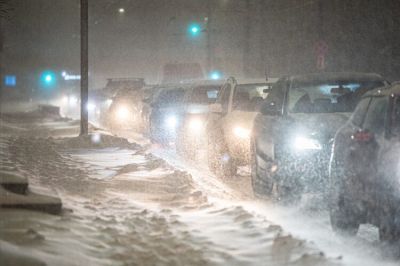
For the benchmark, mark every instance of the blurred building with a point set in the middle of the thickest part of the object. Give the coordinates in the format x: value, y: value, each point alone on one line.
x: 237, y: 37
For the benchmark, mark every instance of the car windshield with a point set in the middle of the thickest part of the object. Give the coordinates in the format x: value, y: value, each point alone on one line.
x: 170, y: 97
x: 205, y: 94
x: 328, y: 97
x: 249, y: 97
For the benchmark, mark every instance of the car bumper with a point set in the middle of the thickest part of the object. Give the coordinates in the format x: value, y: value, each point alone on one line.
x: 307, y: 169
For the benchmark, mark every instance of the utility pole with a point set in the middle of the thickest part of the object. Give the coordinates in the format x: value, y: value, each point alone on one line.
x: 84, y: 67
x: 209, y: 63
x: 246, y: 40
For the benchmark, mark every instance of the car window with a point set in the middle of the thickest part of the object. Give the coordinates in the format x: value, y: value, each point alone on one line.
x: 204, y: 94
x: 277, y: 93
x: 376, y: 115
x: 170, y: 97
x: 320, y: 96
x: 248, y: 97
x: 225, y: 97
x: 359, y: 114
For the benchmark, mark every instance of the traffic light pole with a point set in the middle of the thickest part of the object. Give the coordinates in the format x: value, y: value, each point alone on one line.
x: 84, y: 67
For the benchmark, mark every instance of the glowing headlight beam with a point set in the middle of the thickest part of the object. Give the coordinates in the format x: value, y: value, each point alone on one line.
x: 91, y: 107
x: 171, y: 121
x: 304, y: 143
x: 196, y: 125
x: 241, y: 132
x: 72, y: 100
x: 122, y: 113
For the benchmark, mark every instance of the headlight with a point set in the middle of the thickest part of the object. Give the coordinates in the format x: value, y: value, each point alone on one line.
x: 122, y: 113
x: 91, y: 107
x: 305, y: 143
x: 72, y: 100
x: 109, y: 102
x: 65, y: 100
x: 241, y: 132
x: 171, y: 121
x: 196, y: 125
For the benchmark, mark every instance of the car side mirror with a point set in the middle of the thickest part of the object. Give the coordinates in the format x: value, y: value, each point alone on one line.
x: 215, y: 108
x: 270, y: 108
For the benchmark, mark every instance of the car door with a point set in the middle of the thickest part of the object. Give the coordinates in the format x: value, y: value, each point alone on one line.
x: 215, y: 119
x: 226, y: 103
x: 364, y: 150
x: 388, y: 157
x: 267, y: 125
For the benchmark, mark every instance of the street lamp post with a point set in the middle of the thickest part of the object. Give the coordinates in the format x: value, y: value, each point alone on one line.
x: 84, y: 67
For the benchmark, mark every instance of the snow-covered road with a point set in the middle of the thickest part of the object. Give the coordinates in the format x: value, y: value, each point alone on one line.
x: 129, y: 204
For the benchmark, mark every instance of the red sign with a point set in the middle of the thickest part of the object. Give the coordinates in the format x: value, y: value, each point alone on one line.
x: 321, y: 50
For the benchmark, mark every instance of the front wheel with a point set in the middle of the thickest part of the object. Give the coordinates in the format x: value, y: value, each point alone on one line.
x: 261, y: 183
x: 226, y: 166
x: 389, y: 228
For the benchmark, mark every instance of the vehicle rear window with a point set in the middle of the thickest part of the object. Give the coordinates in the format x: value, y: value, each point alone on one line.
x: 359, y: 114
x: 170, y: 97
x: 376, y: 115
x: 205, y: 94
x: 328, y: 97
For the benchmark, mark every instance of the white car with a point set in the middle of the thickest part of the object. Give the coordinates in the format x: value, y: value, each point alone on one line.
x: 230, y: 123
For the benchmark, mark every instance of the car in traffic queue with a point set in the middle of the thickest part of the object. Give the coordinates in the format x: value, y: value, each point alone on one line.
x: 166, y: 113
x: 191, y: 133
x: 125, y: 110
x: 122, y: 103
x: 364, y: 170
x: 230, y: 123
x: 293, y: 133
x: 149, y: 94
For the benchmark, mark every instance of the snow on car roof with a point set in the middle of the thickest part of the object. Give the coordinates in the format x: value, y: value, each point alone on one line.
x: 335, y: 76
x: 385, y: 91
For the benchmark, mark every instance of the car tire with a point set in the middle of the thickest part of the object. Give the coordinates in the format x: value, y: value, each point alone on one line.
x: 226, y: 166
x: 343, y: 217
x: 262, y: 184
x: 389, y: 229
x: 211, y: 157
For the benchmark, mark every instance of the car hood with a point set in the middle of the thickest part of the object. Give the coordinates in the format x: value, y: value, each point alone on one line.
x: 197, y: 108
x: 324, y: 125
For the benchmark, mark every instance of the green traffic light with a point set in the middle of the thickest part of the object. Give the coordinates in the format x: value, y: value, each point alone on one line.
x: 48, y: 79
x: 194, y: 29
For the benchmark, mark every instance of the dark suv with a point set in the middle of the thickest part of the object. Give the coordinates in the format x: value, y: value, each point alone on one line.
x: 365, y: 166
x: 293, y: 134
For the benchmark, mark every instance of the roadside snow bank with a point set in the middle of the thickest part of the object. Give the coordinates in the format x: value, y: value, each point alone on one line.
x: 124, y: 206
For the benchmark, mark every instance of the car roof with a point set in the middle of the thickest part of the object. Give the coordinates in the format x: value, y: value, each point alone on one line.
x: 389, y: 90
x: 335, y: 76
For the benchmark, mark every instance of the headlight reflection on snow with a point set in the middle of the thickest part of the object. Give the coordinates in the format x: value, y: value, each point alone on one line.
x: 96, y: 138
x: 305, y: 143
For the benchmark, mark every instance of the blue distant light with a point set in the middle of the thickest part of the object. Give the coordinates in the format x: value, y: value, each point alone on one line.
x: 10, y: 81
x: 215, y: 75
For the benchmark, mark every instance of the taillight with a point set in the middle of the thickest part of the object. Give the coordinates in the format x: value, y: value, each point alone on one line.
x: 362, y: 136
